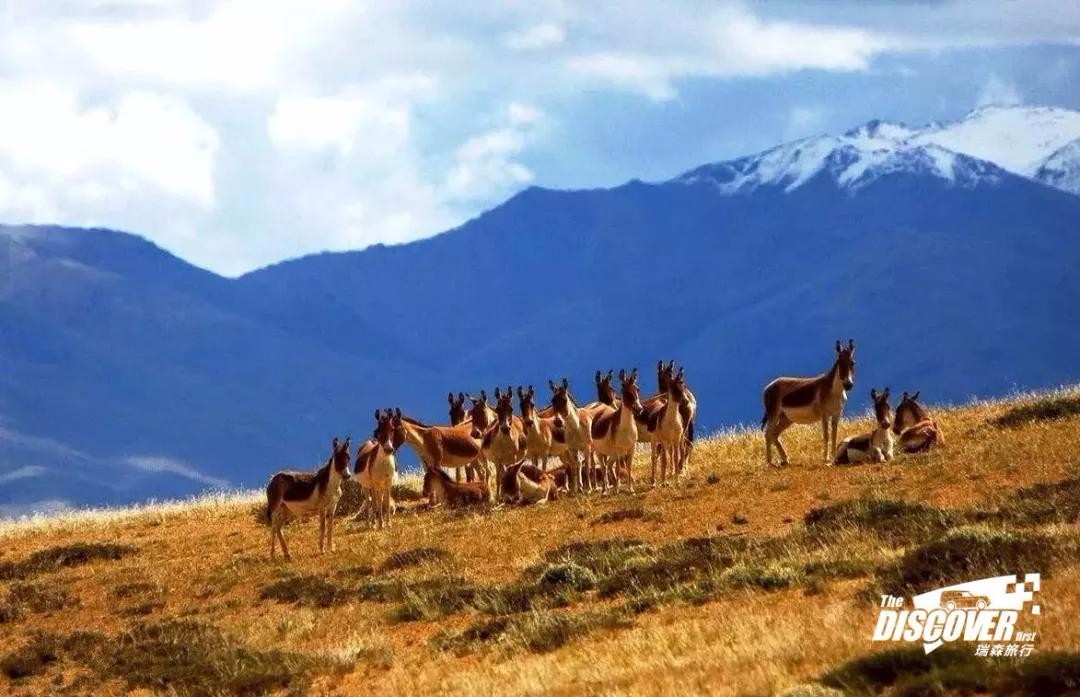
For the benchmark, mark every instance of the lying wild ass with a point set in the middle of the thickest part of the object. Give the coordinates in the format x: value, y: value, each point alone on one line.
x: 876, y: 446
x: 438, y: 486
x: 291, y: 495
x: 376, y: 465
x: 807, y: 400
x: 614, y: 432
x: 525, y: 483
x: 918, y: 433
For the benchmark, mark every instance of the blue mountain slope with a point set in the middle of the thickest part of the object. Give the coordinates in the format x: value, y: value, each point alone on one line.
x: 128, y: 373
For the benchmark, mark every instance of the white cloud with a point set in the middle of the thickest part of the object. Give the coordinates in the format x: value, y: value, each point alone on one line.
x: 535, y: 37
x: 25, y: 472
x: 998, y: 92
x: 161, y: 464
x: 649, y: 76
x: 485, y: 165
x: 805, y: 120
x: 140, y: 140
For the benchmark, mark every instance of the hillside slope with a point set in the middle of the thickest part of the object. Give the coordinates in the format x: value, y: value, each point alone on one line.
x: 720, y: 584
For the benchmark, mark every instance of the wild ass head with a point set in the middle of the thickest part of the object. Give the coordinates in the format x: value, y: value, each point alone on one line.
x: 339, y: 456
x: 845, y: 363
x: 605, y: 393
x: 457, y: 408
x: 504, y: 409
x: 560, y: 396
x: 882, y: 410
x: 631, y: 393
x: 909, y: 412
x: 527, y: 403
x: 384, y: 431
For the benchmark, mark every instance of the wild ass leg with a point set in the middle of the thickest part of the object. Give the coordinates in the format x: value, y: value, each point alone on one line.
x: 835, y: 422
x: 827, y: 458
x: 772, y: 437
x: 330, y: 528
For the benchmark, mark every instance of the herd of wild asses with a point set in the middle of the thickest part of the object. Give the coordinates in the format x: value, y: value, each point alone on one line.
x: 504, y: 456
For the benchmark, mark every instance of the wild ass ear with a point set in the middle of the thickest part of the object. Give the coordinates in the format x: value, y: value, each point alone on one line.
x: 449, y: 398
x: 521, y: 393
x: 566, y: 383
x: 378, y: 415
x: 397, y: 412
x: 551, y: 384
x: 633, y: 374
x: 915, y: 397
x: 483, y: 395
x: 610, y: 374
x: 660, y: 365
x: 839, y: 348
x: 531, y: 391
x: 622, y: 374
x: 873, y: 393
x: 334, y: 445
x: 599, y: 379
x: 497, y: 394
x: 886, y: 393
x: 461, y: 397
x: 851, y: 345
x: 904, y: 397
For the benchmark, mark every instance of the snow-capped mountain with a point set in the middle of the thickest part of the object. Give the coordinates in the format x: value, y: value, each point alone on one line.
x: 1062, y: 169
x: 1033, y: 142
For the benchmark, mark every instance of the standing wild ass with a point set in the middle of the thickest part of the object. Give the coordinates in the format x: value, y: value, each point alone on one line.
x: 578, y: 425
x: 545, y: 436
x: 376, y: 465
x: 807, y: 400
x: 291, y: 495
x: 614, y: 432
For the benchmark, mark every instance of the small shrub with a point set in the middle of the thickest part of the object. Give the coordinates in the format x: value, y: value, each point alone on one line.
x: 537, y: 632
x: 39, y: 597
x: 890, y: 519
x: 415, y: 557
x: 1040, y: 504
x: 433, y: 598
x: 313, y: 591
x: 568, y: 574
x: 622, y: 514
x: 713, y: 478
x: 136, y: 588
x: 966, y: 554
x: 771, y: 576
x: 739, y: 519
x: 66, y: 556
x: 837, y: 568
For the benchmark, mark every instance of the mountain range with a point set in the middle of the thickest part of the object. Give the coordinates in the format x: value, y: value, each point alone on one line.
x: 948, y: 252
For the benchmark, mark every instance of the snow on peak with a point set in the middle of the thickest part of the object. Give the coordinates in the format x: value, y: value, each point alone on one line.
x: 973, y: 150
x: 1016, y: 138
x: 1062, y: 168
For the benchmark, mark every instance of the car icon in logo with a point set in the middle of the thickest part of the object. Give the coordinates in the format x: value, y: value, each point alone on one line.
x: 950, y: 600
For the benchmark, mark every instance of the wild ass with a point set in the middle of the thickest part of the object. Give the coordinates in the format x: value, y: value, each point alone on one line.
x: 664, y: 375
x: 376, y: 465
x: 578, y: 424
x: 443, y: 446
x: 918, y: 433
x: 504, y: 442
x: 525, y: 483
x: 438, y: 486
x: 614, y: 432
x: 876, y: 445
x: 291, y: 495
x: 806, y: 400
x: 545, y: 436
x: 668, y: 431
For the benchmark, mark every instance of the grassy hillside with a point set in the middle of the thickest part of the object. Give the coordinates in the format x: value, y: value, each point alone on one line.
x: 720, y: 584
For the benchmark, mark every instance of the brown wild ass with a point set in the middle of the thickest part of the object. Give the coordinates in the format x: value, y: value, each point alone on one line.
x: 545, y: 436
x: 578, y: 425
x: 291, y: 495
x: 614, y: 432
x: 876, y: 446
x: 376, y: 465
x: 536, y: 480
x: 808, y: 400
x: 668, y: 430
x: 664, y: 375
x: 438, y: 486
x: 443, y: 446
x: 918, y: 433
x: 504, y: 442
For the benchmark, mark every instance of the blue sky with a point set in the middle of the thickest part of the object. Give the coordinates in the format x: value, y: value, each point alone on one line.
x: 240, y: 133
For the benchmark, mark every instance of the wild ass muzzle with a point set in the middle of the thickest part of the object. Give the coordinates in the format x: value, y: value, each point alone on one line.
x: 291, y: 495
x: 809, y: 400
x: 376, y: 465
x: 875, y: 446
x: 614, y: 432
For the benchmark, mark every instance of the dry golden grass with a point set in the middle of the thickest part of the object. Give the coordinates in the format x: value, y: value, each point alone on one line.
x: 466, y: 602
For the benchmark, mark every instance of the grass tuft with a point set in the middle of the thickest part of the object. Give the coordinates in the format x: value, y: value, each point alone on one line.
x: 314, y: 591
x: 622, y: 514
x: 965, y: 554
x: 1046, y: 409
x: 56, y: 558
x: 415, y: 557
x: 890, y: 519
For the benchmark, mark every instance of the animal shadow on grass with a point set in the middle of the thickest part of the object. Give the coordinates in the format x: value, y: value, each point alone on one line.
x: 66, y: 556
